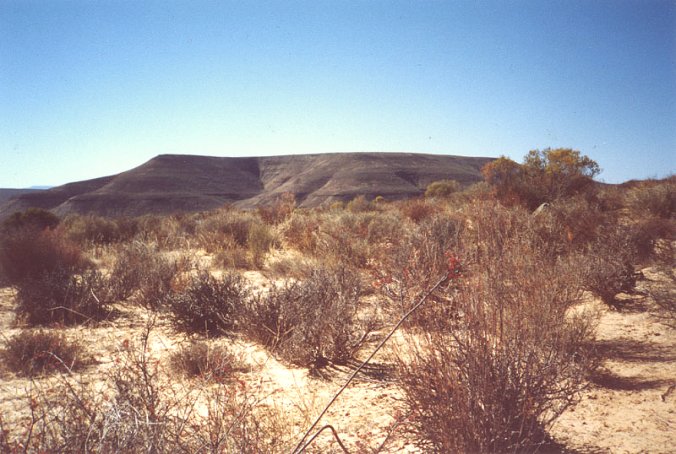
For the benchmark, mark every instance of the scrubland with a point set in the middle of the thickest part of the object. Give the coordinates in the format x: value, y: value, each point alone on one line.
x: 230, y: 331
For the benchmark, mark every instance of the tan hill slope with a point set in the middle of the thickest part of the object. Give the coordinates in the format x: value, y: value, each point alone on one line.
x: 176, y: 183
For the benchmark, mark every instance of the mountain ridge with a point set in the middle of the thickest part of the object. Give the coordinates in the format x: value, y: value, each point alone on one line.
x: 171, y: 183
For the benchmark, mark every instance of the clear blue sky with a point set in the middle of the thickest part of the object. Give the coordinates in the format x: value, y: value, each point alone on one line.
x: 92, y: 88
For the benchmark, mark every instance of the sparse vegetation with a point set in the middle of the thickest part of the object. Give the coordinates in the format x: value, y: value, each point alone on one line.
x: 32, y: 353
x: 496, y: 354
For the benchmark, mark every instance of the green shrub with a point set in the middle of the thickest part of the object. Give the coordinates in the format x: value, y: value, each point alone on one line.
x: 31, y: 353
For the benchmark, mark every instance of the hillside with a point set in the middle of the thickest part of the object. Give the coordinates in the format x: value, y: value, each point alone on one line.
x: 7, y: 193
x: 179, y: 183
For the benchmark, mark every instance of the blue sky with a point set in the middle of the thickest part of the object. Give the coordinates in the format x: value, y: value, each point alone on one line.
x: 92, y: 88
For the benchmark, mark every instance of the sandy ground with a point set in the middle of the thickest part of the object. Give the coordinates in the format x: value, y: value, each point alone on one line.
x: 628, y: 408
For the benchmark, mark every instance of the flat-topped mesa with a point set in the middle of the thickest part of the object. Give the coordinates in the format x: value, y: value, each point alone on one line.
x: 183, y: 183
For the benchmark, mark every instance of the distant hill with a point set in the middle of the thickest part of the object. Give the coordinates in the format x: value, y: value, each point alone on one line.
x: 6, y: 193
x: 179, y: 183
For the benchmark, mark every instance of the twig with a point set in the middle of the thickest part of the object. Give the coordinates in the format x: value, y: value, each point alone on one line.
x: 335, y: 435
x: 300, y: 447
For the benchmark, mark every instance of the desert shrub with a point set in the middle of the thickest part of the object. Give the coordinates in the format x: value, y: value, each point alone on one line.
x: 206, y: 361
x: 609, y: 267
x: 581, y: 220
x: 417, y: 209
x: 31, y: 219
x: 652, y: 239
x: 226, y: 223
x: 91, y: 229
x: 359, y: 205
x: 610, y: 198
x: 291, y: 264
x: 59, y: 297
x: 492, y: 228
x: 415, y: 263
x: 237, y: 420
x: 142, y: 271
x: 27, y: 254
x: 569, y: 225
x: 32, y: 353
x: 512, y: 360
x: 655, y: 199
x: 336, y: 205
x: 208, y: 305
x: 164, y: 231
x: 260, y: 240
x: 143, y: 412
x: 234, y: 256
x: 442, y: 189
x: 342, y: 239
x: 385, y: 228
x: 310, y: 322
x: 477, y: 191
x: 279, y: 210
x: 664, y: 295
x: 545, y: 176
x: 300, y: 231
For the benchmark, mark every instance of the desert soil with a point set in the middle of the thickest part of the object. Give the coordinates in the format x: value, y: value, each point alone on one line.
x: 627, y: 409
